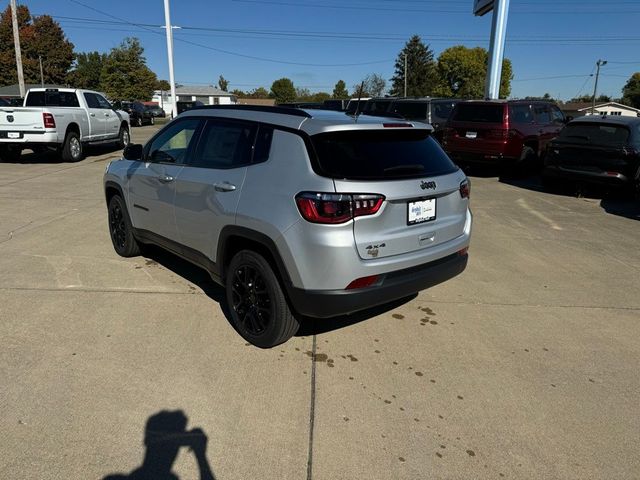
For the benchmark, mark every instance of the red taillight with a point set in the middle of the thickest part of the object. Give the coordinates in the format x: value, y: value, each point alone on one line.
x: 465, y: 189
x: 336, y: 207
x: 363, y: 282
x: 463, y: 252
x: 49, y: 121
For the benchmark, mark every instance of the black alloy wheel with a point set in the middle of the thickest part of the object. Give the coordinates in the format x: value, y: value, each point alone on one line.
x: 250, y: 300
x: 120, y: 229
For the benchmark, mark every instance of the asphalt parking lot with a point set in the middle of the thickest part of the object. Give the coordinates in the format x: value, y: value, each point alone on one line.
x: 526, y: 366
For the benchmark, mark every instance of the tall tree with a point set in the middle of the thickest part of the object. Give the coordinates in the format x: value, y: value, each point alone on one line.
x: 86, y: 71
x: 259, y: 92
x: 340, y: 90
x: 422, y: 75
x: 223, y: 83
x: 283, y: 91
x: 373, y: 85
x: 163, y: 85
x: 631, y: 91
x: 125, y: 75
x: 39, y: 37
x: 463, y: 72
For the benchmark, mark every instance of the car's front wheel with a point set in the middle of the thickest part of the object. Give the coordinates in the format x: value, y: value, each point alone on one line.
x: 121, y: 230
x: 123, y: 137
x: 259, y: 309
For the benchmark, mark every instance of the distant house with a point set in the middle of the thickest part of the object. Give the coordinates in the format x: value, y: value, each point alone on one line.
x: 602, y: 109
x: 206, y: 94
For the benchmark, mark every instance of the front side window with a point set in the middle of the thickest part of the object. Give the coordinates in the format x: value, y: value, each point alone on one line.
x: 558, y: 116
x: 172, y: 144
x: 543, y: 115
x: 92, y: 100
x: 224, y: 144
x: 102, y: 102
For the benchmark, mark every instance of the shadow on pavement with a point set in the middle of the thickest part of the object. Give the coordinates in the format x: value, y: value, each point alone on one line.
x: 165, y: 433
x: 622, y: 208
x: 50, y: 156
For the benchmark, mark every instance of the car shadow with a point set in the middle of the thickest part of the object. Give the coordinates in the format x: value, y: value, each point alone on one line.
x: 308, y: 326
x: 629, y: 208
x: 50, y: 156
x: 165, y: 434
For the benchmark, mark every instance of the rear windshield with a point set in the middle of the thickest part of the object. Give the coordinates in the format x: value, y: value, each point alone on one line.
x: 412, y: 110
x: 380, y: 155
x: 596, y: 133
x: 52, y: 99
x: 475, y: 112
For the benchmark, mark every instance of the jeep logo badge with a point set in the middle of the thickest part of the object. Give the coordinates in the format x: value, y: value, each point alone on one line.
x: 428, y: 185
x: 9, y: 118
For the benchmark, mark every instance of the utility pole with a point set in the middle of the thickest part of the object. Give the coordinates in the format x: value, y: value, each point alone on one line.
x: 405, y: 75
x: 172, y: 80
x: 41, y: 73
x: 16, y: 43
x: 599, y: 64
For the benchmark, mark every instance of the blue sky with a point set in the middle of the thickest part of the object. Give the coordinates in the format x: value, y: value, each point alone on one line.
x: 553, y: 44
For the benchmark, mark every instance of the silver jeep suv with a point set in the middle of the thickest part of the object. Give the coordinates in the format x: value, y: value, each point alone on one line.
x: 294, y: 212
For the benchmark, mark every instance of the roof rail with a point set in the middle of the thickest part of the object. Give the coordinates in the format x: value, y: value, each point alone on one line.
x: 256, y: 108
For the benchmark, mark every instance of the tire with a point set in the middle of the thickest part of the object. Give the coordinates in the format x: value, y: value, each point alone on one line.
x: 120, y: 229
x: 258, y: 307
x: 10, y: 153
x: 72, y: 148
x: 124, y: 137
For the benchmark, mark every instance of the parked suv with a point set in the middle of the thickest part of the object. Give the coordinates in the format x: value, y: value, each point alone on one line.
x: 497, y: 132
x: 294, y: 212
x: 139, y: 113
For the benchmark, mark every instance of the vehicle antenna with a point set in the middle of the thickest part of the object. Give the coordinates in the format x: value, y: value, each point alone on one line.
x: 357, y: 112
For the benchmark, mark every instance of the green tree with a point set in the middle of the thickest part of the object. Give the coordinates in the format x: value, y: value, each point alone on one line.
x: 162, y: 85
x: 303, y: 95
x: 39, y: 37
x: 422, y: 74
x: 340, y: 90
x: 86, y: 71
x: 239, y: 93
x: 373, y: 85
x: 631, y: 91
x: 259, y: 92
x: 125, y: 75
x: 589, y: 98
x: 463, y: 72
x: 283, y: 91
x: 223, y: 83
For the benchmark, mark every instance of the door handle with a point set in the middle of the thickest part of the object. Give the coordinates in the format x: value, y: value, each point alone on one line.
x: 92, y: 114
x: 165, y: 178
x: 224, y: 187
x: 107, y: 115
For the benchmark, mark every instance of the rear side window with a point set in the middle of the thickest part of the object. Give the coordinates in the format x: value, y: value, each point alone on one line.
x: 380, y: 155
x: 520, y: 113
x: 412, y: 110
x: 52, y: 99
x: 596, y: 133
x: 478, y: 112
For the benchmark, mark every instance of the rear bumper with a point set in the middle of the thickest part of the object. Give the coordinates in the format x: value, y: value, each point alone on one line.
x: 26, y: 138
x: 480, y: 158
x: 394, y: 285
x: 612, y: 177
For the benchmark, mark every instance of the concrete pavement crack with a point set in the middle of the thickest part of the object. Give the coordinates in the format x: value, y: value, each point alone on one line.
x: 312, y: 410
x: 533, y: 305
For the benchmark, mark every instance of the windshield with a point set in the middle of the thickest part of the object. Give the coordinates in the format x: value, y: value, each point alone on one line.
x: 380, y: 155
x: 596, y: 133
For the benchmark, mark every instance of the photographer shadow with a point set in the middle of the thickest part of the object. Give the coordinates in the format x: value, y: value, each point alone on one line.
x: 164, y: 435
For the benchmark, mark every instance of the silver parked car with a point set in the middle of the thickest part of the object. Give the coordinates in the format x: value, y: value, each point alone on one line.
x: 295, y: 212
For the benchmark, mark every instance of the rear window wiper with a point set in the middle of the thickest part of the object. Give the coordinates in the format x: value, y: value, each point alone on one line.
x: 405, y: 168
x: 584, y: 137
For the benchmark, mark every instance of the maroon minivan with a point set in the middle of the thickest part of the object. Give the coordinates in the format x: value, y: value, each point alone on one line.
x: 514, y: 132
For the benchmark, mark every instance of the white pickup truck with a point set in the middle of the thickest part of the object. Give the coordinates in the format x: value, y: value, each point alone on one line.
x: 63, y: 118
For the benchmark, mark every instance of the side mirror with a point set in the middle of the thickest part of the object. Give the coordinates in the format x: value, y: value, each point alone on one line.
x: 133, y: 151
x: 568, y: 119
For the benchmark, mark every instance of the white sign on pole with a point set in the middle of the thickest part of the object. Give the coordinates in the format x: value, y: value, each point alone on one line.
x: 480, y: 7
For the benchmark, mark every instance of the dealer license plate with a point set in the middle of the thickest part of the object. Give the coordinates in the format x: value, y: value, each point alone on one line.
x: 13, y: 134
x: 471, y: 135
x: 421, y: 211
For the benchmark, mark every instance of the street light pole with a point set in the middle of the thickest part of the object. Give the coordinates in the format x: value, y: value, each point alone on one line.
x: 599, y: 64
x: 16, y: 44
x: 172, y: 81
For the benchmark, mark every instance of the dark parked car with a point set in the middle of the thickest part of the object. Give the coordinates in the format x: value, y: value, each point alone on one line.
x: 339, y: 105
x: 157, y: 111
x: 595, y: 149
x: 139, y: 113
x: 514, y: 133
x: 184, y: 106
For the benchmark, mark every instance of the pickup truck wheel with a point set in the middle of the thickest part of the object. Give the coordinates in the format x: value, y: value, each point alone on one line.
x: 10, y: 153
x: 258, y: 307
x: 120, y: 229
x: 123, y: 137
x: 72, y: 148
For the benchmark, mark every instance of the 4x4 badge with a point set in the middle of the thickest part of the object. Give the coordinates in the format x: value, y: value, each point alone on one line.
x: 428, y: 185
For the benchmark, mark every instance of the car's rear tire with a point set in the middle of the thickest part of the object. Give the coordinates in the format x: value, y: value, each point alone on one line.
x: 258, y: 307
x: 121, y: 230
x: 10, y: 153
x: 124, y: 137
x: 72, y: 148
